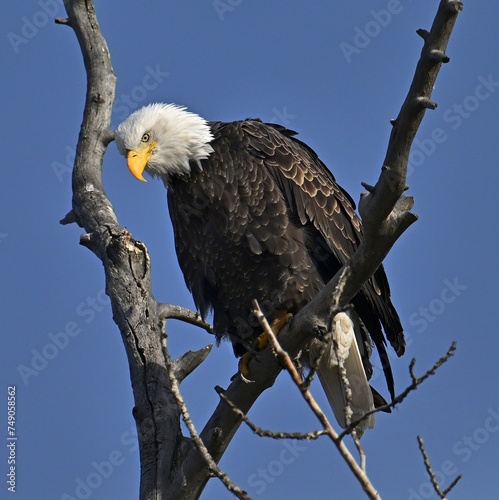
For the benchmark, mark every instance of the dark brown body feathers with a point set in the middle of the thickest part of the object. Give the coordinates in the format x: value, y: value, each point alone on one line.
x: 265, y: 219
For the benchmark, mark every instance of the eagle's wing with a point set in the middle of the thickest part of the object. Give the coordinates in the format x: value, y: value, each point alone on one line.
x: 327, y: 212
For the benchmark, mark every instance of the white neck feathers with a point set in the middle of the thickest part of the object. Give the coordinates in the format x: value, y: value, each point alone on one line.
x: 181, y: 137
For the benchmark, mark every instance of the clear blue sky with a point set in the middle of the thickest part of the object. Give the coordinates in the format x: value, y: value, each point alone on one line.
x: 336, y: 73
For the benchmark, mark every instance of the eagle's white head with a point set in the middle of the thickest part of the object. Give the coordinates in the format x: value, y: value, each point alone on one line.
x: 161, y: 139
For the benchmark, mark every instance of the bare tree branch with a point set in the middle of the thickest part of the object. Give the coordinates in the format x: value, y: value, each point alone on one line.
x: 416, y: 382
x: 385, y: 211
x: 189, y: 361
x: 303, y: 385
x: 308, y: 436
x: 286, y: 361
x: 170, y: 311
x: 211, y: 464
x: 433, y: 479
x: 126, y: 264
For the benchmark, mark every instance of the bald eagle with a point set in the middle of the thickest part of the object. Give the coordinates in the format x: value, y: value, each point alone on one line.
x: 257, y: 215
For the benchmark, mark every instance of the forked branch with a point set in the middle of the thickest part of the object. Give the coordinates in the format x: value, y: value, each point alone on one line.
x: 286, y: 362
x: 431, y: 473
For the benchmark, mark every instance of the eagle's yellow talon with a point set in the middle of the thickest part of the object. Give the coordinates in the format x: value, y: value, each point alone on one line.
x: 261, y: 343
x: 244, y: 365
x: 278, y: 324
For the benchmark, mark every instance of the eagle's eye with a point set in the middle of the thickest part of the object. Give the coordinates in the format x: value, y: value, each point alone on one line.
x: 146, y: 137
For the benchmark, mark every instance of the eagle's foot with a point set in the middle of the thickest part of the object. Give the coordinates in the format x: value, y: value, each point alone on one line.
x: 261, y: 343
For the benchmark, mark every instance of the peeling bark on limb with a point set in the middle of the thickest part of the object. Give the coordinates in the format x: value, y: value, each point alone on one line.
x: 127, y: 267
x: 170, y: 466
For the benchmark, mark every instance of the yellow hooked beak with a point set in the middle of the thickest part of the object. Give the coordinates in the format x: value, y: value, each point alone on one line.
x: 137, y: 160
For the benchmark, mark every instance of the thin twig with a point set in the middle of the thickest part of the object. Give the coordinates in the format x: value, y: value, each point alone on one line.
x: 211, y: 464
x: 416, y: 381
x: 63, y: 21
x: 171, y: 311
x: 348, y: 410
x: 433, y: 479
x: 308, y: 436
x: 451, y: 485
x: 348, y: 397
x: 307, y: 381
x: 286, y: 361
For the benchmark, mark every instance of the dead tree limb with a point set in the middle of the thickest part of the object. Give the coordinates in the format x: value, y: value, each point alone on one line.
x: 431, y: 473
x: 286, y: 361
x: 205, y: 454
x: 170, y: 466
x: 126, y: 264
